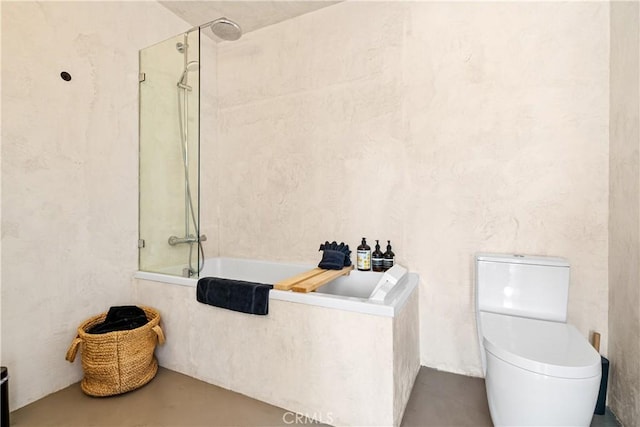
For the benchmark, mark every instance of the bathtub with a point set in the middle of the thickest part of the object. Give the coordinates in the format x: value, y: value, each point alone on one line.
x: 349, y: 293
x: 333, y: 355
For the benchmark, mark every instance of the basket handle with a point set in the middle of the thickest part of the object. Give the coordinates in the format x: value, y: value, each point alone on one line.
x: 158, y: 330
x: 73, y: 349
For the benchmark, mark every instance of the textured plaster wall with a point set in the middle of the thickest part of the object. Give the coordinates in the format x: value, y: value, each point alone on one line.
x: 448, y: 128
x: 69, y: 175
x: 624, y: 215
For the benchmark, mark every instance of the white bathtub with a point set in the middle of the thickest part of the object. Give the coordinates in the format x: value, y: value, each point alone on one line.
x: 333, y: 355
x: 349, y: 293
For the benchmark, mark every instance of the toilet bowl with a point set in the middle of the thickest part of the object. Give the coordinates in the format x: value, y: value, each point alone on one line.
x: 539, y: 371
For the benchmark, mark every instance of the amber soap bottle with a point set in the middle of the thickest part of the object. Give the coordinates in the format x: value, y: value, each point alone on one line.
x: 363, y: 259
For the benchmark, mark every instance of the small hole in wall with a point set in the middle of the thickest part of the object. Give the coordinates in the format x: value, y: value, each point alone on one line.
x: 65, y: 76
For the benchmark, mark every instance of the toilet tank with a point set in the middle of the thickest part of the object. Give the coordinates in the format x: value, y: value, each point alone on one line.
x: 525, y: 286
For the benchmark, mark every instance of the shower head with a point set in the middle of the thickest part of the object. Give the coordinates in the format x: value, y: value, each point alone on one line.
x: 191, y: 66
x: 226, y: 29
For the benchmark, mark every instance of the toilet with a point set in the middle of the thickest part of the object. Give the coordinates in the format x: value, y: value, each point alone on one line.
x: 539, y: 370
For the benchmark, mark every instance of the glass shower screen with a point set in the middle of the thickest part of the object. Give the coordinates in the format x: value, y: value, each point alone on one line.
x: 169, y: 114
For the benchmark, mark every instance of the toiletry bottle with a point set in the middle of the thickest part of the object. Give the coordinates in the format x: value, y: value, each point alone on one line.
x: 364, y: 256
x: 388, y: 256
x: 377, y: 258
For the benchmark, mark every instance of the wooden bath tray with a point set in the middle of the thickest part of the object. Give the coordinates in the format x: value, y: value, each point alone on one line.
x: 311, y: 280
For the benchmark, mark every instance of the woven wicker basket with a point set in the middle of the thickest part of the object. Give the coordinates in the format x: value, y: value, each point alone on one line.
x: 120, y: 361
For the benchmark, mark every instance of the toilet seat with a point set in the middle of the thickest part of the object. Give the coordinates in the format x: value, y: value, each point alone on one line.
x: 543, y: 347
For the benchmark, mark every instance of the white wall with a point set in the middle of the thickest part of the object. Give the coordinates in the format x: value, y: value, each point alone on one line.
x: 624, y: 216
x: 69, y: 175
x: 448, y: 128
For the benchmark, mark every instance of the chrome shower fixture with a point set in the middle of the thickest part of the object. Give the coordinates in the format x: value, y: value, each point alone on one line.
x: 175, y: 240
x: 225, y: 28
x: 191, y: 66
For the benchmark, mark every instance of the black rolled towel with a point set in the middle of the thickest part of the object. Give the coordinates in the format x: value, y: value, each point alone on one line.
x: 347, y: 256
x: 236, y: 295
x: 120, y: 318
x: 332, y: 260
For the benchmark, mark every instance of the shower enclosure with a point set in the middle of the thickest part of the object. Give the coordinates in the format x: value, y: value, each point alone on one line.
x: 169, y: 171
x: 169, y: 129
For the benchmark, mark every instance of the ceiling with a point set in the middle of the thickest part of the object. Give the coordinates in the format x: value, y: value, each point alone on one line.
x: 250, y: 15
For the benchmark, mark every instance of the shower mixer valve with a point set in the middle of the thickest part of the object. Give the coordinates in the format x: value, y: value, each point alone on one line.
x: 175, y: 240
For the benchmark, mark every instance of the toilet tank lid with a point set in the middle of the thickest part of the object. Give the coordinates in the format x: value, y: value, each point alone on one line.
x: 544, y: 347
x: 523, y: 259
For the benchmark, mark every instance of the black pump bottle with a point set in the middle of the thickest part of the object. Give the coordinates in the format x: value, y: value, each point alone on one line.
x: 388, y: 257
x: 377, y: 258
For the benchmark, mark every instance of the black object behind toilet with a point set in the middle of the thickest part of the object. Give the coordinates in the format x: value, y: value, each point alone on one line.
x: 4, y: 396
x: 602, y: 395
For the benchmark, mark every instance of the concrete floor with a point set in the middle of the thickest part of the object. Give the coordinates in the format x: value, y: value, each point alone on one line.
x: 172, y: 399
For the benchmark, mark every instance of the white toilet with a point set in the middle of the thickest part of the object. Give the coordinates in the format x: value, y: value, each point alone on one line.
x: 539, y: 370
